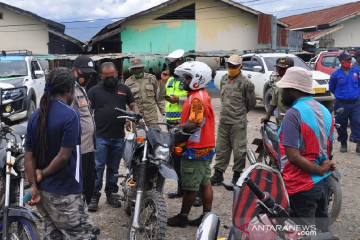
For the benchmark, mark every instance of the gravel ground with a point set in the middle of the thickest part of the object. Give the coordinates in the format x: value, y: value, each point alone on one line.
x: 114, y: 223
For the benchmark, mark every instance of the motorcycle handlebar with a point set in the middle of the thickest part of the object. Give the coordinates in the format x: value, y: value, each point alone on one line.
x: 254, y: 187
x: 130, y: 114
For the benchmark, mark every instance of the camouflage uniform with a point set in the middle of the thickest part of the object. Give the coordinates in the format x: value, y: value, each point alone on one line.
x: 276, y: 99
x: 237, y: 98
x: 146, y: 94
x: 64, y: 217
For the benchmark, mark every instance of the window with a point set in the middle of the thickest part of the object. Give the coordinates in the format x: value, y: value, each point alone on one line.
x: 187, y: 12
x: 34, y: 66
x: 1, y: 16
x: 328, y: 61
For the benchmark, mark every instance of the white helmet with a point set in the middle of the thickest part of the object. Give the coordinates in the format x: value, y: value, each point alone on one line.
x: 179, y: 53
x: 200, y: 73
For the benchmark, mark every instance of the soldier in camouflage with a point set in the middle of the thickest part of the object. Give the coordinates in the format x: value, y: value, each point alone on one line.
x: 146, y: 90
x: 237, y: 98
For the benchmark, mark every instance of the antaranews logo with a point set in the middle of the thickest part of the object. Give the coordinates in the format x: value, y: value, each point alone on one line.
x: 302, y: 230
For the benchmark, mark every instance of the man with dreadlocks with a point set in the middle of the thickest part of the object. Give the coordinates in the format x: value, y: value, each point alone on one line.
x: 53, y: 160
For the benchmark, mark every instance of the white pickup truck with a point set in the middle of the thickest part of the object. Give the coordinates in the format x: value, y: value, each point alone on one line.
x: 22, y: 83
x: 259, y: 66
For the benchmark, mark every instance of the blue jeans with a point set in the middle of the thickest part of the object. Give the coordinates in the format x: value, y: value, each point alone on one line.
x: 109, y: 152
x: 352, y: 113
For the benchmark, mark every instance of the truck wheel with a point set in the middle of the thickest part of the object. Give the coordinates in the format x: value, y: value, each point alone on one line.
x: 31, y: 109
x: 329, y: 105
x: 267, y: 98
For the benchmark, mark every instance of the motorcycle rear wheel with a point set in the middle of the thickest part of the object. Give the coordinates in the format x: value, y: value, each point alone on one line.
x: 335, y: 200
x: 152, y: 218
x: 22, y: 228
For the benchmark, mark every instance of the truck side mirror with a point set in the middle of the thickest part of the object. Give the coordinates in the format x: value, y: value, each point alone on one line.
x: 39, y: 73
x: 257, y: 68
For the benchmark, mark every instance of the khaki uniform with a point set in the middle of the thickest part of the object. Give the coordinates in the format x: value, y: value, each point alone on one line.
x: 276, y: 99
x: 237, y: 98
x: 82, y: 104
x: 146, y: 94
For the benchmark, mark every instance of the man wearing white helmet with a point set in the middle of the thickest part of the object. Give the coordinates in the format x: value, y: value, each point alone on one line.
x: 237, y: 98
x: 174, y: 97
x: 197, y: 115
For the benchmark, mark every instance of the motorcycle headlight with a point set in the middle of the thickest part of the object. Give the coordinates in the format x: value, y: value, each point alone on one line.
x: 162, y: 153
x: 19, y: 164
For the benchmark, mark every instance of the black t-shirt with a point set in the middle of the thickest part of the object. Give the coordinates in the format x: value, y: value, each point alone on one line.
x: 104, y: 101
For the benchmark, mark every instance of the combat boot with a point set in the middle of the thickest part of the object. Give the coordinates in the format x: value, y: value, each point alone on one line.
x: 217, y: 178
x: 235, y: 177
x: 343, y: 147
x: 93, y: 206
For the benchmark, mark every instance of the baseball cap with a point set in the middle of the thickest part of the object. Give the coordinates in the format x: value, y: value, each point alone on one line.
x: 285, y: 62
x: 344, y: 55
x: 234, y: 60
x: 85, y: 64
x: 136, y: 63
x: 298, y: 78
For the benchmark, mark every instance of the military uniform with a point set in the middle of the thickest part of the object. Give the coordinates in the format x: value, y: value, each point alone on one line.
x: 237, y: 98
x: 146, y: 91
x: 276, y: 99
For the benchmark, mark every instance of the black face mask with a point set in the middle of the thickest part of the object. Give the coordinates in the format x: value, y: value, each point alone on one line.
x: 110, y: 82
x: 287, y: 97
x: 83, y: 79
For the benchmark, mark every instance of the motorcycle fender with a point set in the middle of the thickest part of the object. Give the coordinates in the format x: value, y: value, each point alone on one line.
x: 167, y: 170
x: 336, y: 174
x: 209, y: 227
x: 17, y: 211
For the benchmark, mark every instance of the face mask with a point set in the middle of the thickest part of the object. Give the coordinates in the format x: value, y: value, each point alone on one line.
x: 110, y: 82
x: 281, y: 71
x: 346, y: 64
x: 139, y: 75
x: 233, y: 72
x: 83, y: 79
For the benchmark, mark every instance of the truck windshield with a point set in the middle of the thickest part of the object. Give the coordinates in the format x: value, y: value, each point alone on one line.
x: 271, y: 61
x: 12, y: 68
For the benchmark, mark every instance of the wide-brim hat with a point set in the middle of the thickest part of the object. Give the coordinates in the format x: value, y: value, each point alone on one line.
x: 297, y: 78
x: 234, y: 60
x: 136, y: 63
x: 85, y: 64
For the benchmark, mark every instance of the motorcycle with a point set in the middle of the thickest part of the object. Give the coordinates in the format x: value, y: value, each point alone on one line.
x: 148, y: 163
x: 17, y: 221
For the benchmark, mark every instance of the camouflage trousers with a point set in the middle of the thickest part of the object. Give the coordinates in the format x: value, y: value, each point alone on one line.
x: 64, y: 217
x: 231, y: 138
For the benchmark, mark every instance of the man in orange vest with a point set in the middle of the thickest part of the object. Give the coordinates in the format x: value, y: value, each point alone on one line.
x: 197, y: 115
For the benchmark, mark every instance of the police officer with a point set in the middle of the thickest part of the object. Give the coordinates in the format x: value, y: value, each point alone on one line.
x: 83, y: 69
x: 175, y: 97
x: 237, y: 98
x: 345, y: 85
x: 145, y: 89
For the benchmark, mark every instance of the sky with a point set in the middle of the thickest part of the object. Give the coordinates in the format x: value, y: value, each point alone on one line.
x: 89, y: 12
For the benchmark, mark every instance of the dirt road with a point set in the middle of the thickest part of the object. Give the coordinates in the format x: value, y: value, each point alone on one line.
x: 114, y: 223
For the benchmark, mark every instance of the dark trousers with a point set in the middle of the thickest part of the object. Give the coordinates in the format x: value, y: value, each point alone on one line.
x: 89, y: 175
x: 352, y: 113
x: 311, y: 207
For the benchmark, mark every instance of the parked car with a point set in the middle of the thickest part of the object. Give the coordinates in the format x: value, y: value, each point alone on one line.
x: 327, y: 61
x: 20, y: 75
x: 259, y: 66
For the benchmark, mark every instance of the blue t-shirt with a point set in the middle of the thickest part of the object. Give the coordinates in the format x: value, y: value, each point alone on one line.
x: 64, y: 130
x: 344, y: 86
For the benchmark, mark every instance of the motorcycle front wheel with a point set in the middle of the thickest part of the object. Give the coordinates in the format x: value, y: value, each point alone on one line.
x: 152, y: 218
x: 23, y: 229
x: 335, y: 200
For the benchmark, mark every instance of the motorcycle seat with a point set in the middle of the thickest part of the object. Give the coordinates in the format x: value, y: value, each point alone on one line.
x: 271, y: 131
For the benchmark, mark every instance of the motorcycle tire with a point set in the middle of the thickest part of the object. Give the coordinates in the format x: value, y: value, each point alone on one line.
x: 22, y: 228
x: 157, y: 219
x: 335, y: 200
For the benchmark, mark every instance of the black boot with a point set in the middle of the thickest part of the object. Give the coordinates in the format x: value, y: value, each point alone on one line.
x: 217, y: 178
x: 93, y: 206
x: 179, y: 220
x: 197, y: 221
x: 235, y: 177
x: 358, y: 147
x: 343, y: 147
x: 178, y: 193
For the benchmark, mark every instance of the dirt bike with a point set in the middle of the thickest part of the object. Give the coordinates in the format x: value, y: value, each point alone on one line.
x: 17, y: 221
x: 268, y: 150
x: 147, y: 155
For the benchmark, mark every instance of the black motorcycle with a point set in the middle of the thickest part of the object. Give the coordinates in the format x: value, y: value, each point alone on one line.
x: 17, y: 221
x: 148, y: 161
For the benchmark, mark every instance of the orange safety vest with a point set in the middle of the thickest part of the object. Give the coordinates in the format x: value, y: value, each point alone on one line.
x: 205, y: 135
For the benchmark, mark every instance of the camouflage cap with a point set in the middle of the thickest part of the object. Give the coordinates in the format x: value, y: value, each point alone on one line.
x: 136, y: 63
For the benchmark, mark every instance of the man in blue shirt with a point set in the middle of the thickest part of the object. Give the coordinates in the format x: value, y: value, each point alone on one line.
x: 345, y: 85
x: 53, y: 160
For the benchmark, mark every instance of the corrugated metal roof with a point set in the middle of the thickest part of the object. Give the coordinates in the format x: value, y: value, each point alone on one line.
x: 330, y: 16
x: 315, y: 35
